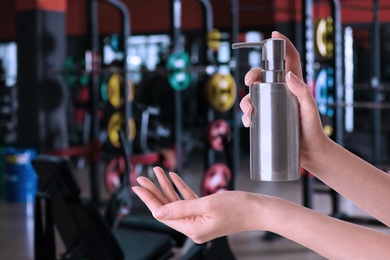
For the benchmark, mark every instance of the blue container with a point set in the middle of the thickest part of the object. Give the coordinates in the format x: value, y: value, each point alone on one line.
x: 19, y: 176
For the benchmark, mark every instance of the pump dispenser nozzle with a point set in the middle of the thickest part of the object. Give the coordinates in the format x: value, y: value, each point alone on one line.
x: 274, y: 132
x: 274, y: 52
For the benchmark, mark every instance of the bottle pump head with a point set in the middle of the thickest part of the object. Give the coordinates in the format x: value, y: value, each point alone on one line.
x: 274, y: 52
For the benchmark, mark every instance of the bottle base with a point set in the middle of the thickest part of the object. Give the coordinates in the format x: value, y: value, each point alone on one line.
x: 276, y: 176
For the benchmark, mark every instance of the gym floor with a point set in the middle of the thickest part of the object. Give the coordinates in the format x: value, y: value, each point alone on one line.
x: 17, y: 224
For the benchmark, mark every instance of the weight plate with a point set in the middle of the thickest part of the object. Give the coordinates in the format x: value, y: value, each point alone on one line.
x: 216, y: 179
x: 113, y: 174
x: 131, y: 86
x: 324, y: 37
x: 114, y: 90
x: 215, y: 131
x: 221, y: 92
x: 214, y: 39
x: 328, y: 130
x: 114, y: 124
x: 72, y: 72
x: 323, y: 91
x: 176, y: 64
x: 103, y: 91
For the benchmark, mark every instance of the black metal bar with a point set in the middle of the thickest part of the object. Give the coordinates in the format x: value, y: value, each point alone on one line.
x: 126, y: 34
x: 375, y: 81
x: 94, y: 99
x: 338, y: 68
x: 338, y: 125
x: 208, y: 25
x: 235, y: 59
x: 308, y: 76
x: 209, y: 156
x: 178, y: 45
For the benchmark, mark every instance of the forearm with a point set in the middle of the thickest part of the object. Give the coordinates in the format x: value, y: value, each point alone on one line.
x: 357, y: 180
x: 332, y: 238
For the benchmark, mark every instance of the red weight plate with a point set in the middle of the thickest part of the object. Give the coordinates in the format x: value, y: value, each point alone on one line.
x: 216, y: 179
x: 215, y: 131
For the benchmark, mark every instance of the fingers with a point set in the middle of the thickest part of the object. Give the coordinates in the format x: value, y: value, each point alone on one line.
x: 166, y: 187
x: 254, y: 75
x: 179, y: 209
x: 185, y: 191
x: 293, y: 62
x: 300, y: 90
x: 246, y: 107
x: 148, y: 185
x: 148, y: 198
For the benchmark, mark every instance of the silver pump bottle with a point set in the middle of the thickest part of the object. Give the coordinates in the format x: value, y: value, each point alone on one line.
x: 274, y: 131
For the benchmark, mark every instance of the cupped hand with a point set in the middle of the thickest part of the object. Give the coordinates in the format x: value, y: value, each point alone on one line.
x: 201, y: 219
x: 312, y: 134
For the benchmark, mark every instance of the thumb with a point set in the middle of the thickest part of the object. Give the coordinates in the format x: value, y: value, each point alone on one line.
x: 178, y: 209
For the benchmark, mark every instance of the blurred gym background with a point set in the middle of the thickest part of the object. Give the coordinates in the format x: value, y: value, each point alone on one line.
x: 98, y: 92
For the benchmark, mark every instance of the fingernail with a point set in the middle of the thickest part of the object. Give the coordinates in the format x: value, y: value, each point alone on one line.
x: 247, y: 80
x: 246, y: 121
x: 274, y: 32
x: 293, y: 78
x: 161, y: 212
x: 244, y: 107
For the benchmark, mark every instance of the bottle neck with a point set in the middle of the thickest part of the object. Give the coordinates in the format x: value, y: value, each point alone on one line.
x: 274, y: 64
x: 271, y: 76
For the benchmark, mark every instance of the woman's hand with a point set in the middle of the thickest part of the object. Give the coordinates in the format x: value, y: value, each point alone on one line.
x: 313, y: 137
x: 201, y: 219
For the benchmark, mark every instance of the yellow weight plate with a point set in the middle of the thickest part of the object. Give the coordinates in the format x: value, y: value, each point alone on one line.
x: 114, y: 124
x: 131, y: 86
x: 214, y: 39
x: 324, y: 37
x: 114, y: 90
x: 328, y: 130
x: 132, y: 129
x: 221, y: 92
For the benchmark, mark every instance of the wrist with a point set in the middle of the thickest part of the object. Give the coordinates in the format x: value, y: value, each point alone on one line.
x: 258, y: 217
x: 311, y: 159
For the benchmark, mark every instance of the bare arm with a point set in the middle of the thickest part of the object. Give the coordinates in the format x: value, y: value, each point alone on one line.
x: 329, y: 237
x: 357, y: 180
x: 203, y: 219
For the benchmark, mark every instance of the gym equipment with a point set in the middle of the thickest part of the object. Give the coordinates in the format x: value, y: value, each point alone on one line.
x: 215, y: 131
x: 116, y: 169
x: 328, y: 130
x: 114, y: 124
x: 221, y: 92
x: 114, y: 173
x: 177, y: 62
x: 83, y: 230
x: 72, y: 72
x: 324, y: 91
x: 324, y: 37
x: 216, y: 179
x: 274, y: 131
x: 114, y: 88
x: 213, y: 39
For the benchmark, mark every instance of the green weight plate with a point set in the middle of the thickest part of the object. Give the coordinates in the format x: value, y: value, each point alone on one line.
x: 178, y: 60
x: 103, y: 91
x: 176, y: 65
x: 179, y: 80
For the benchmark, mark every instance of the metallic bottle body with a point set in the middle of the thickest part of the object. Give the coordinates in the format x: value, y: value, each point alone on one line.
x: 274, y: 133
